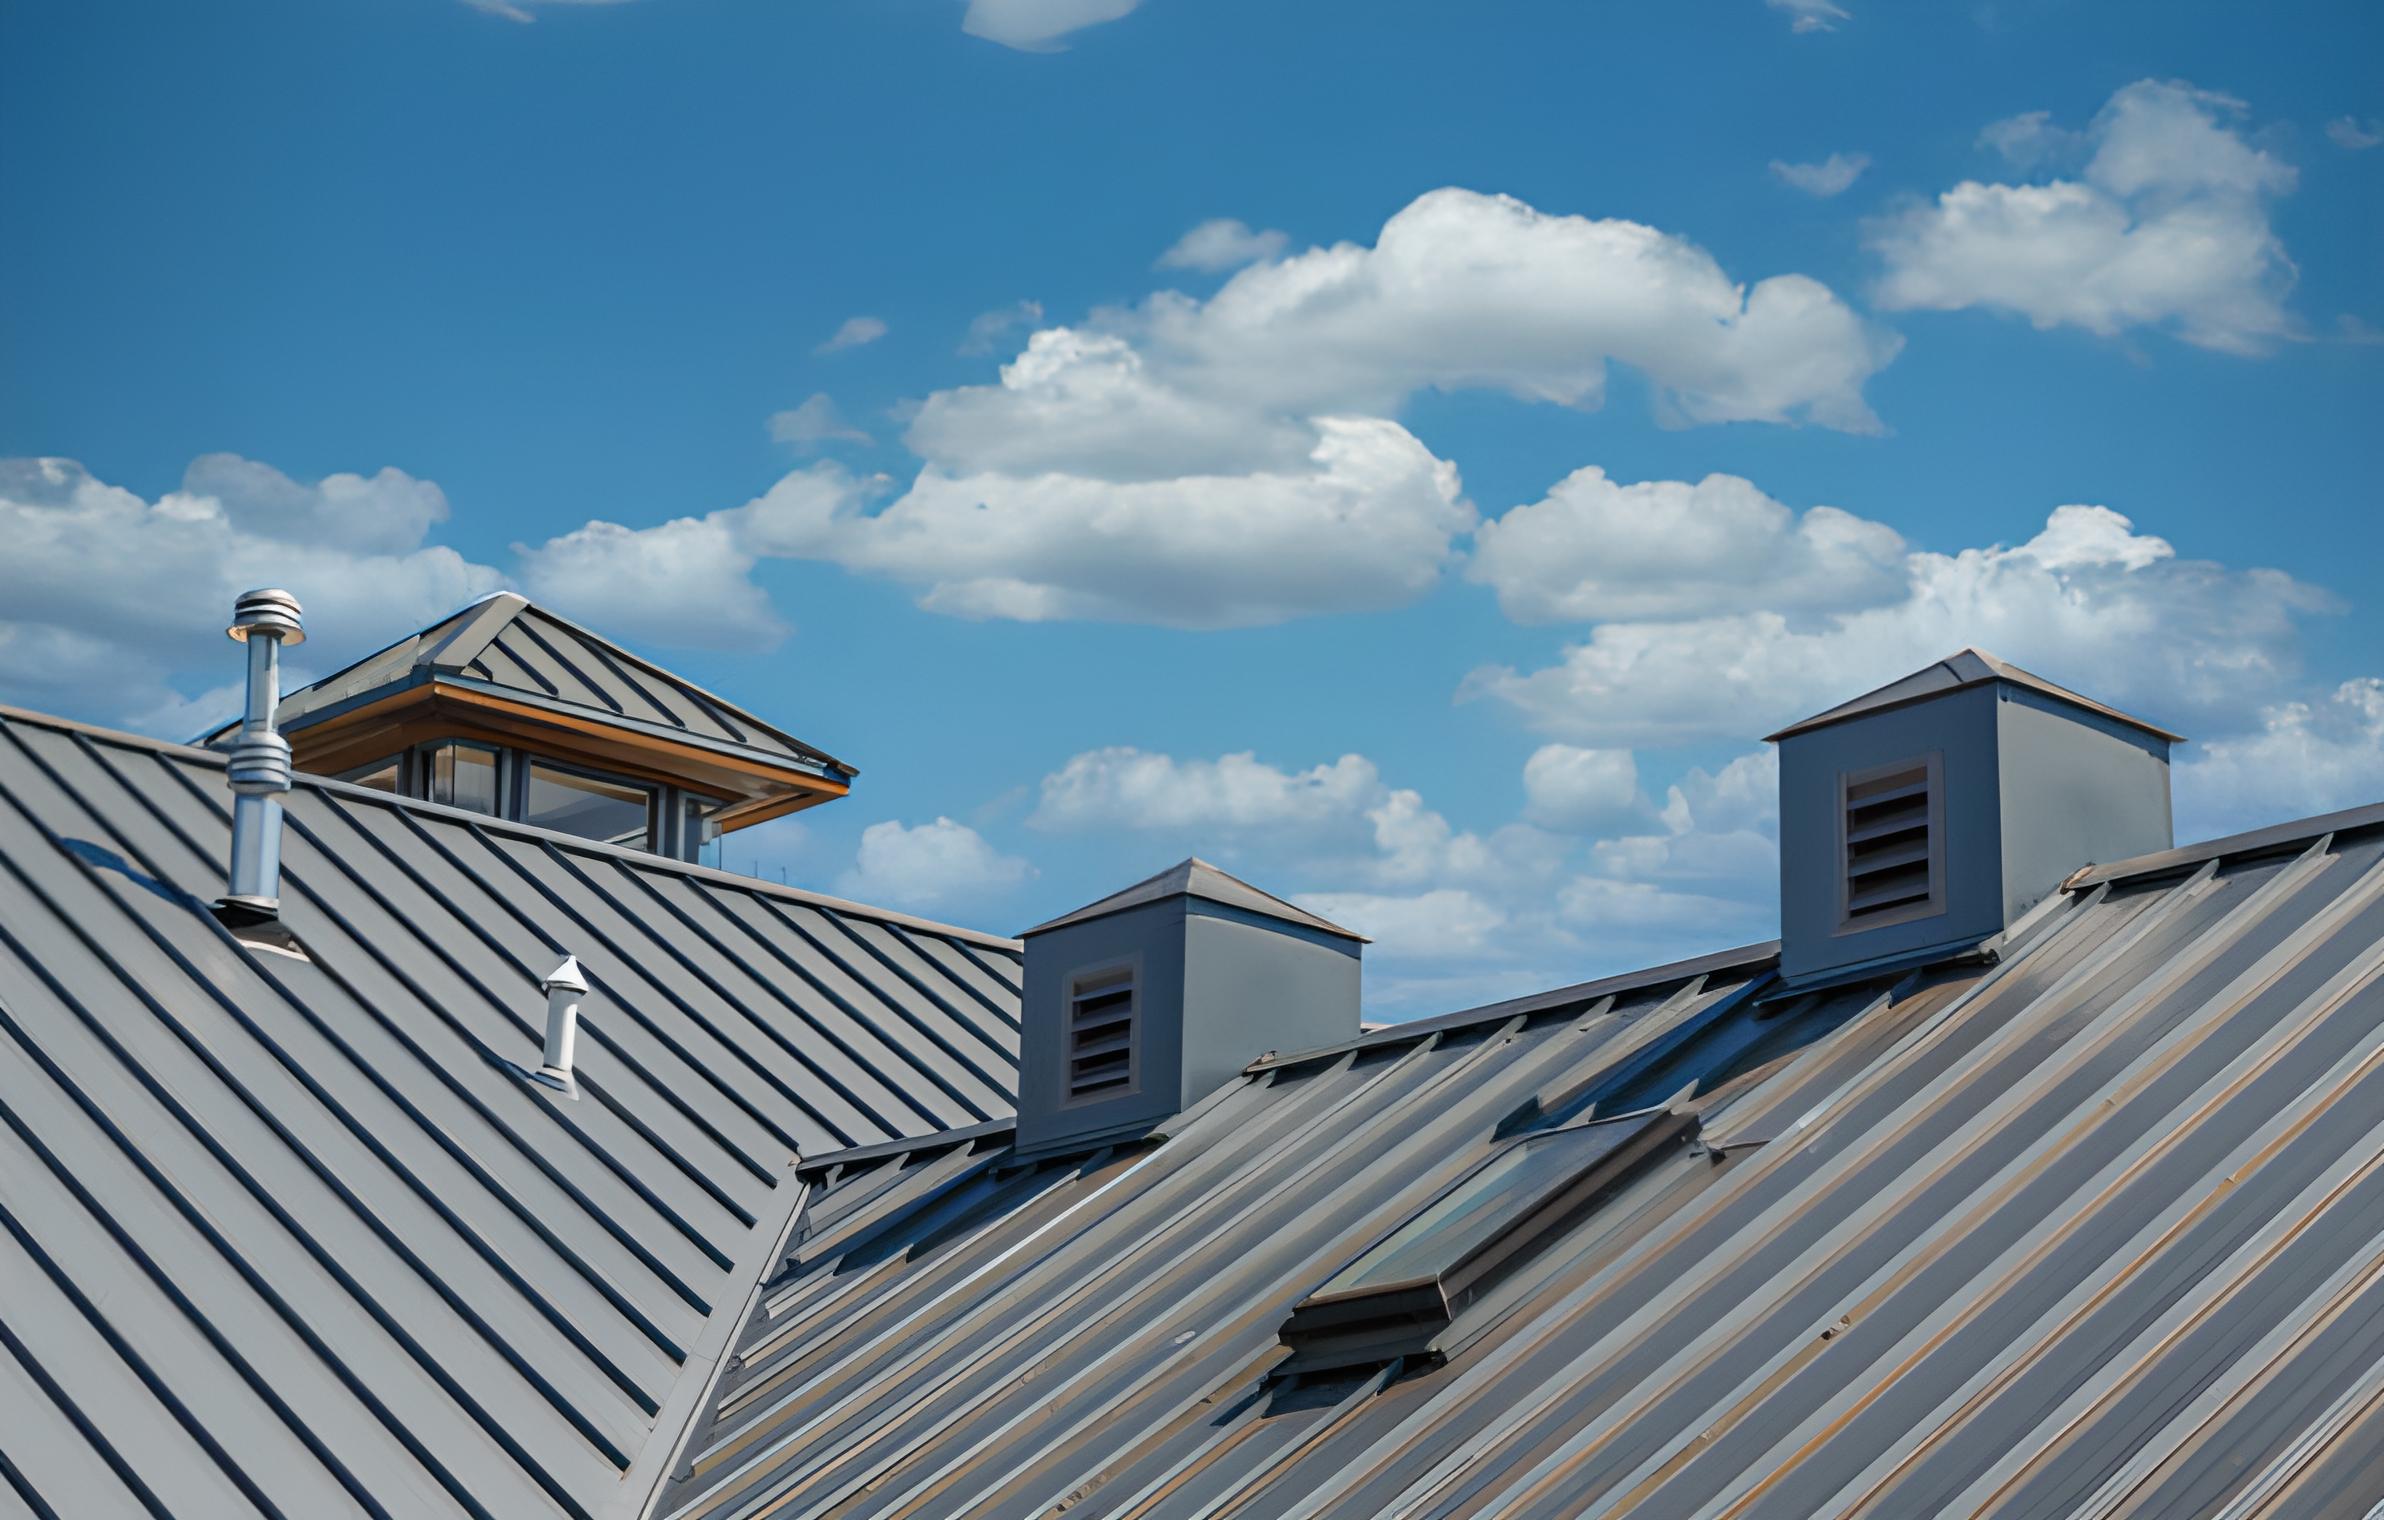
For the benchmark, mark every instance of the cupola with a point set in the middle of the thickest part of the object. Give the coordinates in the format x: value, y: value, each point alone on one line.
x: 1924, y: 818
x: 509, y: 710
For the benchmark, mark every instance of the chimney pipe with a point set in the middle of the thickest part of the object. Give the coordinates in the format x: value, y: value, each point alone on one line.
x: 259, y: 771
x: 564, y: 987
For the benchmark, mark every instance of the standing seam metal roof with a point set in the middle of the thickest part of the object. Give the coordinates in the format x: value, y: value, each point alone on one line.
x: 2098, y: 1230
x: 285, y: 1237
x: 508, y: 644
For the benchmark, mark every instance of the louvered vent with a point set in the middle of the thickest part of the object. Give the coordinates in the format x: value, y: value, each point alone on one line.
x: 1895, y: 868
x: 1101, y: 1035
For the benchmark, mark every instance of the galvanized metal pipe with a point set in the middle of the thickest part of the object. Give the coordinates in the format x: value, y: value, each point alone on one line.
x: 259, y: 771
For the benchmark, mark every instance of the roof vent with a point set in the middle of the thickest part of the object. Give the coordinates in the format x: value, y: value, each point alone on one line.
x: 259, y: 770
x: 1919, y: 821
x: 564, y: 987
x: 1149, y: 1000
x: 1891, y: 830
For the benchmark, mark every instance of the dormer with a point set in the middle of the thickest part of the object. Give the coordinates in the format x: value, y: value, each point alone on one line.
x: 1923, y: 819
x: 509, y: 710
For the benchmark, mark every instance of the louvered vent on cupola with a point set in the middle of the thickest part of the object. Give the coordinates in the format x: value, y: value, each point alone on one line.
x: 1894, y: 844
x: 1101, y: 1034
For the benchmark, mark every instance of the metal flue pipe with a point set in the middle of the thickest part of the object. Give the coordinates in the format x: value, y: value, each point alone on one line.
x: 259, y: 771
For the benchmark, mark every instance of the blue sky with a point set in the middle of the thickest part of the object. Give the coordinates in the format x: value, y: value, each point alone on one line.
x: 1128, y: 429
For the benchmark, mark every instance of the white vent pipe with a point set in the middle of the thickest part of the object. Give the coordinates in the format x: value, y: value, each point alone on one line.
x: 564, y: 987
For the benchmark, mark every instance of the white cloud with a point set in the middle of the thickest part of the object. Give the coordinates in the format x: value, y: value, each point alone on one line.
x: 107, y: 600
x: 856, y: 332
x: 2087, y: 599
x: 988, y: 329
x: 1596, y: 549
x: 1438, y: 924
x: 1221, y: 244
x: 1126, y: 788
x: 525, y: 11
x: 2301, y: 758
x: 1037, y: 26
x: 1582, y: 791
x: 1810, y: 15
x: 930, y: 866
x: 814, y: 423
x: 684, y: 582
x: 2167, y: 226
x: 1365, y: 522
x: 1831, y: 176
x: 2352, y: 133
x: 2029, y: 138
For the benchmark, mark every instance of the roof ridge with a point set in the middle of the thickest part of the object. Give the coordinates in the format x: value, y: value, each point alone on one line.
x: 216, y: 760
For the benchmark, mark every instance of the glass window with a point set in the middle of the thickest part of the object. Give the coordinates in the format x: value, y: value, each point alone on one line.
x: 382, y: 775
x: 465, y: 776
x: 593, y: 807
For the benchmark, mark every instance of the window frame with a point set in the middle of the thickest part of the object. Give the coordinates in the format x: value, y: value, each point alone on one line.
x: 519, y: 796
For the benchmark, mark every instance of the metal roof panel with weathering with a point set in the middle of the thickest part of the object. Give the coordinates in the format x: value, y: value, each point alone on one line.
x: 287, y: 1234
x: 2093, y: 1229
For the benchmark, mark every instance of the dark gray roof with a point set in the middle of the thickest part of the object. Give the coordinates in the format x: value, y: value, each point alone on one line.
x: 2093, y: 1230
x: 285, y: 1236
x: 1971, y: 667
x: 1197, y: 878
x: 505, y: 644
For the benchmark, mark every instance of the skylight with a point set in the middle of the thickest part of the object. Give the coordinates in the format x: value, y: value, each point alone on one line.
x: 1401, y: 1295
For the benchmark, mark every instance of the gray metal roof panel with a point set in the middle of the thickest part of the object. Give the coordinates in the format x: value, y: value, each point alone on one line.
x: 1197, y: 878
x: 1968, y: 667
x: 285, y: 1235
x: 2092, y: 1230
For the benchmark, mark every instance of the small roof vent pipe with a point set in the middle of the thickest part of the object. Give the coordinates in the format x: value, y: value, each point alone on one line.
x: 259, y: 771
x: 564, y: 987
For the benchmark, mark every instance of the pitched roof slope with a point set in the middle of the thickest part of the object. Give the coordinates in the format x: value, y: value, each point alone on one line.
x: 2097, y: 1230
x: 1197, y: 878
x: 1970, y: 667
x: 507, y: 644
x: 286, y: 1237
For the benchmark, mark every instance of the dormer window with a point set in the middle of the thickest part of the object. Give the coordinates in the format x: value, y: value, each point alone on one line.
x: 506, y: 710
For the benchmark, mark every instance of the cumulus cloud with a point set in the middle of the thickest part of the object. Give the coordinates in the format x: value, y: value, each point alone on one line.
x: 1582, y: 791
x: 814, y: 424
x: 2166, y: 226
x: 2352, y: 133
x: 1221, y: 244
x: 1438, y: 924
x: 932, y: 865
x: 856, y: 332
x: 108, y: 600
x: 2300, y: 758
x: 1596, y: 549
x: 685, y: 582
x: 1122, y: 787
x: 1038, y: 26
x: 2181, y: 640
x: 1366, y: 521
x: 1810, y: 15
x: 1833, y: 175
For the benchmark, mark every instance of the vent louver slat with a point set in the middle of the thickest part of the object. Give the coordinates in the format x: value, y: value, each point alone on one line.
x: 1891, y: 845
x: 1101, y: 1037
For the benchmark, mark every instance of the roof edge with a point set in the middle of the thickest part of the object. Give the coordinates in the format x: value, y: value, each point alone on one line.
x: 2273, y: 839
x: 216, y: 760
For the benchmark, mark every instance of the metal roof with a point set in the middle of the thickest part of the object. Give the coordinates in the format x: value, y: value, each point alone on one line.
x: 503, y: 643
x: 2095, y: 1230
x: 285, y: 1236
x: 1197, y: 878
x: 1969, y: 667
